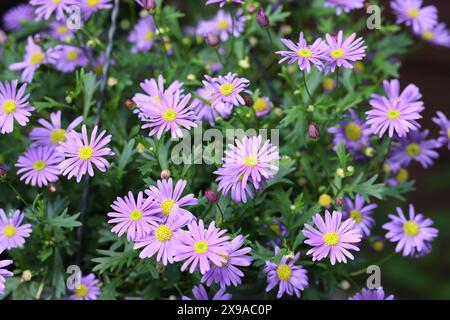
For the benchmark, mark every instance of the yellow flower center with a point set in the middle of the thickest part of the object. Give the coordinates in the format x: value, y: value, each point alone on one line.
x: 56, y: 1
x: 275, y: 228
x: 39, y: 165
x: 260, y: 105
x: 331, y: 239
x: 226, y: 89
x: 83, y: 290
x: 359, y: 66
x: 413, y: 13
x: 167, y: 206
x: 37, y: 57
x: 356, y: 215
x: 413, y: 150
x: 9, y: 231
x: 227, y: 258
x: 93, y: 3
x: 85, y: 153
x: 402, y: 175
x: 411, y: 228
x: 304, y: 53
x: 149, y: 36
x: 284, y: 272
x: 58, y: 135
x: 62, y: 29
x: 169, y: 115
x: 337, y: 54
x: 353, y: 131
x: 378, y: 245
x: 201, y: 246
x: 98, y: 69
x: 223, y: 25
x: 9, y: 106
x: 163, y: 233
x: 251, y: 161
x: 448, y: 133
x: 328, y: 84
x: 393, y: 114
x: 72, y: 55
x: 324, y: 200
x: 136, y: 215
x: 428, y: 35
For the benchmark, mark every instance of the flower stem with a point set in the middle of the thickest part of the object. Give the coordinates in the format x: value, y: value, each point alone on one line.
x: 306, y: 87
x: 18, y: 195
x: 378, y: 263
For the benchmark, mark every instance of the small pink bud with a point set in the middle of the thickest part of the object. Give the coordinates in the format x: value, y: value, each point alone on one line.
x: 211, y: 195
x: 165, y: 174
x: 212, y: 39
x: 313, y: 131
x: 262, y: 18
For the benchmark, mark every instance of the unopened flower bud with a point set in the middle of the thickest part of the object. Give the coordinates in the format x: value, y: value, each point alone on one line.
x: 313, y: 131
x: 129, y: 103
x: 212, y: 39
x: 2, y: 172
x: 165, y: 174
x: 251, y: 9
x: 38, y: 38
x: 340, y: 172
x: 112, y: 81
x: 339, y: 202
x: 248, y: 101
x: 147, y: 4
x: 325, y: 200
x: 262, y: 18
x: 211, y: 195
x: 351, y: 169
x: 26, y: 276
x: 51, y: 187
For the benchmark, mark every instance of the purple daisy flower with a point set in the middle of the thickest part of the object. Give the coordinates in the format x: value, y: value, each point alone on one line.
x: 60, y: 31
x: 39, y: 166
x: 135, y: 217
x: 362, y: 215
x: 354, y: 133
x: 262, y: 106
x: 87, y: 290
x: 200, y: 247
x: 342, y: 52
x: 223, y: 25
x: 438, y: 35
x: 304, y: 54
x: 396, y: 111
x: 12, y: 231
x: 290, y: 278
x: 444, y: 124
x: 14, y: 105
x: 334, y: 238
x: 411, y: 13
x: 169, y: 201
x: 371, y: 294
x: 81, y: 153
x: 67, y: 58
x: 228, y: 183
x: 33, y: 59
x: 45, y: 8
x: 162, y: 240
x: 88, y: 7
x: 16, y: 17
x: 344, y: 5
x: 52, y: 133
x: 172, y: 114
x: 143, y: 35
x: 411, y: 234
x: 200, y: 293
x: 224, y: 2
x: 226, y: 89
x: 4, y: 273
x: 206, y: 112
x: 227, y: 273
x: 415, y: 147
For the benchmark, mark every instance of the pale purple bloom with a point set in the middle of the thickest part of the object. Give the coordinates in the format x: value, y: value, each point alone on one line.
x: 82, y: 153
x: 14, y: 105
x: 438, y: 35
x: 33, y: 59
x: 4, y: 273
x: 411, y: 13
x: 227, y: 273
x: 206, y: 112
x: 361, y: 214
x: 143, y: 35
x: 371, y: 294
x: 60, y: 31
x: 87, y: 290
x: 162, y: 240
x: 444, y: 124
x: 228, y: 183
x: 146, y: 4
x: 226, y: 89
x: 88, y: 7
x: 45, y: 8
x: 344, y: 5
x: 171, y: 112
x: 411, y: 234
x: 334, y: 238
x: 52, y: 133
x: 415, y: 146
x: 169, y: 200
x: 200, y: 247
x: 12, y: 231
x: 354, y: 133
x: 262, y: 106
x: 39, y: 166
x: 224, y: 2
x: 67, y: 58
x: 201, y: 294
x: 397, y: 111
x: 290, y: 278
x: 224, y: 26
x: 343, y: 52
x: 135, y: 217
x: 16, y: 17
x: 304, y: 54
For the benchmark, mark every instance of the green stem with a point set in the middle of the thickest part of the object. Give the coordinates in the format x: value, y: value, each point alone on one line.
x: 220, y: 210
x: 306, y: 87
x: 378, y: 263
x: 18, y: 195
x: 270, y: 36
